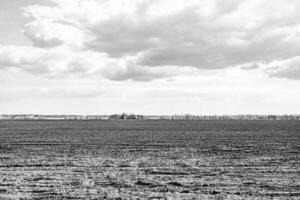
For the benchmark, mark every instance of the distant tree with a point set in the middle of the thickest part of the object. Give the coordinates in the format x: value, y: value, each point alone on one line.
x: 123, y: 116
x: 114, y: 116
x: 131, y: 116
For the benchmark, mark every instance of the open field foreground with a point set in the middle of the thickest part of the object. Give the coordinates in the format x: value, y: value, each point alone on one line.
x: 149, y: 160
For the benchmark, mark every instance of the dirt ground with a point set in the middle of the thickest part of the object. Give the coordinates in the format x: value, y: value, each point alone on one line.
x: 149, y: 160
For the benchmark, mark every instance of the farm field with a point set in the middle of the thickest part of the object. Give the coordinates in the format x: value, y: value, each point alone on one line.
x: 149, y: 159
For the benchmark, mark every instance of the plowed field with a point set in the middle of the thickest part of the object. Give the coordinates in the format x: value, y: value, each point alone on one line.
x: 149, y: 159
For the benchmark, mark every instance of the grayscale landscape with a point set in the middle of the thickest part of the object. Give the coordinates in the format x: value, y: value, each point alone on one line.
x: 149, y: 159
x: 150, y: 99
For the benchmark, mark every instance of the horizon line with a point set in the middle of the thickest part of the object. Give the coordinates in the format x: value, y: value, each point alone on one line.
x: 179, y: 114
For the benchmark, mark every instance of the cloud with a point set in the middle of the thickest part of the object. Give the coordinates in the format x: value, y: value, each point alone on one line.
x: 204, y: 34
x: 45, y: 33
x: 65, y: 62
x: 250, y: 66
x: 25, y: 58
x: 289, y: 68
x: 41, y: 61
x: 99, y: 37
x: 158, y: 56
x: 135, y: 72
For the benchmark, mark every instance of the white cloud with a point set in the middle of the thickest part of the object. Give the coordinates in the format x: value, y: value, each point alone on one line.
x: 205, y: 34
x: 65, y: 62
x: 89, y: 36
x: 289, y: 68
x: 185, y: 56
x: 50, y: 34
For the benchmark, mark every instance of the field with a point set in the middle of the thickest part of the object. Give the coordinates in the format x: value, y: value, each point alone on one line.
x: 149, y: 159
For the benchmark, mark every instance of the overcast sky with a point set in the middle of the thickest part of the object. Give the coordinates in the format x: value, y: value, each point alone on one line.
x: 150, y: 56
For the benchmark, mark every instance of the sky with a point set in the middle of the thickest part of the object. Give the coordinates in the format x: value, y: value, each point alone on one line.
x: 150, y: 57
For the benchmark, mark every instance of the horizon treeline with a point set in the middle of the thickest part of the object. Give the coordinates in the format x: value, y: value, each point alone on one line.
x: 125, y: 116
